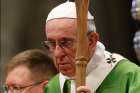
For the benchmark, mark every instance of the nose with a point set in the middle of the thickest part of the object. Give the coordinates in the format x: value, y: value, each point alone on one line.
x: 59, y: 51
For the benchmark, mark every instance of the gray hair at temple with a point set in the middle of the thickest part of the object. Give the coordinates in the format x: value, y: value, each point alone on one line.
x: 68, y: 10
x: 91, y: 26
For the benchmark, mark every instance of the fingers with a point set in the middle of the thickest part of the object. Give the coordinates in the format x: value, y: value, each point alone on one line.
x: 83, y: 89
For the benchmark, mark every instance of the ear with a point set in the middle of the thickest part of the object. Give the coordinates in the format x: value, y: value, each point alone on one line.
x: 93, y: 38
x: 44, y: 83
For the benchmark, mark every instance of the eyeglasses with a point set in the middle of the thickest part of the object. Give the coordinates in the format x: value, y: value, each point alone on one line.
x: 66, y: 43
x: 18, y: 89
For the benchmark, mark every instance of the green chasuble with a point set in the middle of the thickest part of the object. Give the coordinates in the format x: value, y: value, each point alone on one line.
x: 53, y: 86
x: 124, y: 78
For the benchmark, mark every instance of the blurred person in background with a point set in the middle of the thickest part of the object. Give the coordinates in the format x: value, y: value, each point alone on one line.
x: 135, y: 11
x: 28, y: 72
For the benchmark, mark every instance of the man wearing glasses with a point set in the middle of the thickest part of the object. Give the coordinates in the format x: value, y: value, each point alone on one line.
x: 28, y: 72
x: 106, y: 72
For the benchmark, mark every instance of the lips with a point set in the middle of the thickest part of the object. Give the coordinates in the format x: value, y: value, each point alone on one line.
x: 64, y: 65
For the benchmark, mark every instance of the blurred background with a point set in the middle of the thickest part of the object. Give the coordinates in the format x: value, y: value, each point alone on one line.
x: 23, y: 24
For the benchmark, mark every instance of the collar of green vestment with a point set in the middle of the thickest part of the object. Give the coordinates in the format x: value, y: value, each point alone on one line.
x: 53, y: 86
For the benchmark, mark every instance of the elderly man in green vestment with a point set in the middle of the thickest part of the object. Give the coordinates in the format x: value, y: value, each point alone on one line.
x: 106, y: 72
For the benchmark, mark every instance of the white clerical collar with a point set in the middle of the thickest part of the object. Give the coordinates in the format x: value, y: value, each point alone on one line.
x: 62, y: 79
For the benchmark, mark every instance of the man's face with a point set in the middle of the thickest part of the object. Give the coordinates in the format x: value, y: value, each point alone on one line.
x: 19, y: 81
x: 62, y: 35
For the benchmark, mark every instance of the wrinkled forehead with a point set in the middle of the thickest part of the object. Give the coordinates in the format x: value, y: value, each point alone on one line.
x: 61, y: 26
x: 61, y: 22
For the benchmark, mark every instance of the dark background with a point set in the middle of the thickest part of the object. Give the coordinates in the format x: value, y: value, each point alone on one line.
x: 23, y: 24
